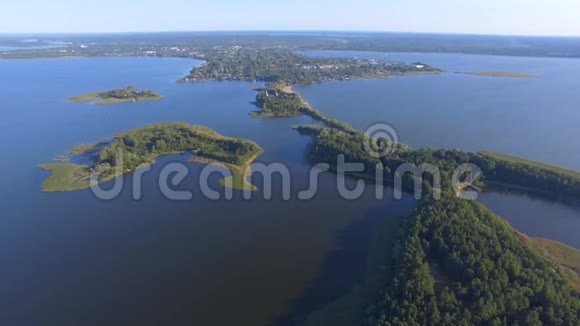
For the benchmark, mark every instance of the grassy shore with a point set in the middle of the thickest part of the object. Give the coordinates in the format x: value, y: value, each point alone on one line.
x: 265, y: 114
x: 539, y: 165
x: 567, y: 258
x: 137, y: 99
x: 83, y: 149
x: 240, y: 174
x: 95, y: 96
x: 501, y: 74
x: 66, y: 177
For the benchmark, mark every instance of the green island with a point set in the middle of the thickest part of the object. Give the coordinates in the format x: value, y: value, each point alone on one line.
x: 504, y: 74
x: 139, y: 148
x: 121, y: 95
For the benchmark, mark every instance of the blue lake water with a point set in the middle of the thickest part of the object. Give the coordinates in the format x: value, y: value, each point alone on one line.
x: 70, y: 258
x: 532, y: 118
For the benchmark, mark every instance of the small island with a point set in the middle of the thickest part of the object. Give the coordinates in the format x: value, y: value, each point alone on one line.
x: 504, y: 74
x: 140, y: 147
x: 121, y: 95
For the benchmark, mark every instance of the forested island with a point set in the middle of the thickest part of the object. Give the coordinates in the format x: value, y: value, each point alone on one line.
x: 140, y: 147
x: 121, y: 95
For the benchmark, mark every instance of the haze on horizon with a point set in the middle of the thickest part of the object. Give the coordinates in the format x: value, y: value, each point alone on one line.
x: 514, y: 17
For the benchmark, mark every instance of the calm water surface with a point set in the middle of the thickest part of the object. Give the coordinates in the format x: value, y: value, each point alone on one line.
x: 70, y: 258
x: 532, y: 118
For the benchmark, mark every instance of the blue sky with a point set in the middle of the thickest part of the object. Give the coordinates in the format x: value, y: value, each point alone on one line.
x: 514, y: 17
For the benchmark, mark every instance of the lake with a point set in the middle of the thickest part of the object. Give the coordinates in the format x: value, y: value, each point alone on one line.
x: 70, y: 258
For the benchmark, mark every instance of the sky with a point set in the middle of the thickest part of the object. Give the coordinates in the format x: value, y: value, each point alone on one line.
x: 507, y: 17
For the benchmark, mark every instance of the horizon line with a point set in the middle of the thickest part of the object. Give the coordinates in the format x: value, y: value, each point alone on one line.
x: 289, y: 31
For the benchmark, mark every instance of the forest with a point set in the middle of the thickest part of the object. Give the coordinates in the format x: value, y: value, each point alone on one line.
x: 279, y: 100
x: 459, y: 264
x: 328, y: 143
x: 141, y: 146
x: 275, y: 102
x: 128, y: 92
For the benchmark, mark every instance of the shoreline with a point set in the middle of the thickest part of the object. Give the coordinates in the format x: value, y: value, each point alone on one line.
x: 239, y: 173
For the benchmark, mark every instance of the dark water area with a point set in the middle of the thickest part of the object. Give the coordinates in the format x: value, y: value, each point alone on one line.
x: 534, y: 215
x: 344, y: 268
x: 71, y: 258
x: 532, y: 118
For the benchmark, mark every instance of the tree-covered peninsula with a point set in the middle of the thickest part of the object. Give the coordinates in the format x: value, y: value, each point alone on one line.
x: 496, y: 168
x: 121, y: 95
x: 139, y: 147
x: 455, y: 262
